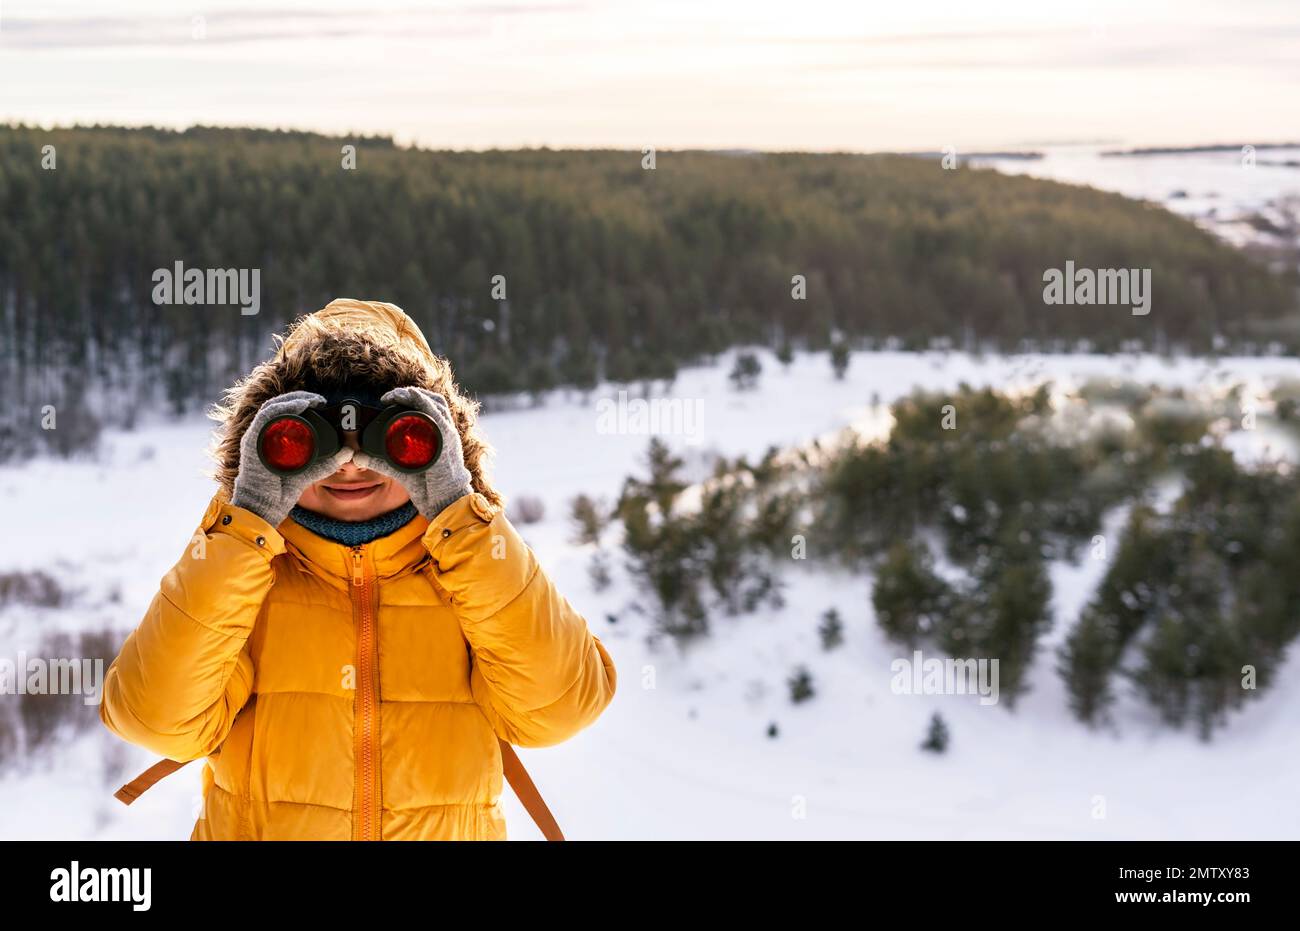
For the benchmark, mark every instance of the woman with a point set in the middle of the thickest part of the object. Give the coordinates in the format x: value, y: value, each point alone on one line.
x: 345, y: 644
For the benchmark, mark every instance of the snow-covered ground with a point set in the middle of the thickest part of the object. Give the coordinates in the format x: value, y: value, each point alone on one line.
x: 683, y: 752
x: 1219, y: 190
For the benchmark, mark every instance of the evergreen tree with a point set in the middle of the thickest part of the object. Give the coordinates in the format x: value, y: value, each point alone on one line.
x: 831, y: 629
x: 590, y: 517
x: 839, y: 359
x: 607, y: 276
x: 911, y: 601
x: 1087, y: 661
x: 1005, y: 614
x: 1192, y: 662
x: 936, y: 735
x: 801, y: 687
x: 664, y: 552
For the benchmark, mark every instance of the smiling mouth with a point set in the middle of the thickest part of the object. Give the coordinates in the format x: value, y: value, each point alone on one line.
x: 351, y: 492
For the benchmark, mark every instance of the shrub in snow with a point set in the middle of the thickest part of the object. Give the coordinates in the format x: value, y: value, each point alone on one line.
x: 745, y: 372
x: 527, y: 509
x: 801, y: 687
x: 33, y: 587
x: 598, y: 572
x: 37, y: 715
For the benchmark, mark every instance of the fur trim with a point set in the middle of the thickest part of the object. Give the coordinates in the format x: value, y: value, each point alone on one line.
x: 349, y: 343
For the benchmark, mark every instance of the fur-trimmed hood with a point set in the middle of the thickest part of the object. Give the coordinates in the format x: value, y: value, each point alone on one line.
x: 353, y: 343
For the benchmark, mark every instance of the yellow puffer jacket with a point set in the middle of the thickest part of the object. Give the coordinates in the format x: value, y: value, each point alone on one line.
x: 355, y: 692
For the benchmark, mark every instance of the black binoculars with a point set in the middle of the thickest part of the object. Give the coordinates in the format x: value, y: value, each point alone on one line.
x: 408, y: 440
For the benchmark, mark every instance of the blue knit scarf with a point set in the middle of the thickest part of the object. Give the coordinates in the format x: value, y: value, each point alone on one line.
x: 354, y: 533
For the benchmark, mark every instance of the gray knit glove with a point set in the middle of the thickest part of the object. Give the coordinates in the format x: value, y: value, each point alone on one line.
x: 448, y: 480
x: 267, y: 494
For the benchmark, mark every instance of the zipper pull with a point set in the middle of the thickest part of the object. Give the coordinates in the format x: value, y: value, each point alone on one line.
x: 358, y: 573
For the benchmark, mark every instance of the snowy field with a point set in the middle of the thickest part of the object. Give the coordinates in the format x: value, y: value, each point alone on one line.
x: 684, y: 752
x: 1220, y: 191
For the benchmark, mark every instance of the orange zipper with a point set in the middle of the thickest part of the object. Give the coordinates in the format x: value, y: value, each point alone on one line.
x: 365, y: 803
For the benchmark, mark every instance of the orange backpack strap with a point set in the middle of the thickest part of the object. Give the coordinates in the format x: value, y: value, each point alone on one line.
x: 137, y: 786
x: 514, y: 771
x: 527, y: 792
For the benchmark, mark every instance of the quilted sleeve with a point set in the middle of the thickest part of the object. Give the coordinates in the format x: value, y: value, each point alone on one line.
x: 538, y: 673
x: 183, y: 673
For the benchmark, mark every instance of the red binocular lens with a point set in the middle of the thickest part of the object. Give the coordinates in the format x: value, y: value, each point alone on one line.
x: 411, y: 442
x: 288, y: 444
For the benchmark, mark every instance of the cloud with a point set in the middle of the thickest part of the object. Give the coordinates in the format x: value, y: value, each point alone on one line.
x: 246, y: 26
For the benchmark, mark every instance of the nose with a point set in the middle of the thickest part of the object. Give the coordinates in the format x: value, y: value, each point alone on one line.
x: 351, y: 440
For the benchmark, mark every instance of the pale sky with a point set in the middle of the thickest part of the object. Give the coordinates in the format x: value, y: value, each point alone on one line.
x: 808, y: 75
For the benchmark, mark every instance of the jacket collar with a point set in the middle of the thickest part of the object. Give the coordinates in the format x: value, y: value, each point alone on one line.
x: 400, y: 552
